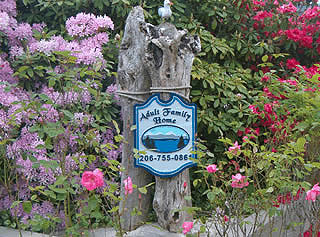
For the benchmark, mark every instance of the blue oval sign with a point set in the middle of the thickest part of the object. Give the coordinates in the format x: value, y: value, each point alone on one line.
x: 165, y: 138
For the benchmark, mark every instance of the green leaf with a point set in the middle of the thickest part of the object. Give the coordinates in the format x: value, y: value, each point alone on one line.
x: 214, y: 24
x: 23, y: 68
x: 114, y: 209
x: 93, y: 203
x: 216, y: 103
x: 52, y: 82
x: 265, y: 58
x: 67, y: 113
x: 188, y: 198
x: 299, y: 147
x: 196, y: 92
x: 211, y: 196
x: 35, y: 165
x: 143, y: 190
x: 60, y: 180
x: 58, y: 190
x: 15, y: 203
x: 27, y: 206
x: 30, y: 72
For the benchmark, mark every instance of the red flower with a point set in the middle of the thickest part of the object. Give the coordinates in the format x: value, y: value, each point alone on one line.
x: 292, y: 63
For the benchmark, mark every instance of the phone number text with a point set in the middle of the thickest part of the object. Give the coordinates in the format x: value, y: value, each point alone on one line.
x: 176, y: 157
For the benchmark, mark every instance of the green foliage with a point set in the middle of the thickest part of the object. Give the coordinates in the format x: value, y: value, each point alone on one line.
x: 223, y: 96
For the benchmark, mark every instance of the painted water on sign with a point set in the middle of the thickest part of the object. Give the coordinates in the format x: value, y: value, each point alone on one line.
x: 165, y: 138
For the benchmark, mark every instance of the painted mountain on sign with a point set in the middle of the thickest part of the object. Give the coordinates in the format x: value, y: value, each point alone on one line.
x: 165, y: 138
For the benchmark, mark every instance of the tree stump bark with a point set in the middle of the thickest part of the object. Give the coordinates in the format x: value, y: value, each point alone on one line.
x: 155, y: 59
x: 169, y: 57
x: 133, y: 81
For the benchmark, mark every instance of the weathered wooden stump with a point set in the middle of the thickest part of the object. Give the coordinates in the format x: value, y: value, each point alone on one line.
x: 133, y: 82
x: 155, y: 59
x: 169, y: 57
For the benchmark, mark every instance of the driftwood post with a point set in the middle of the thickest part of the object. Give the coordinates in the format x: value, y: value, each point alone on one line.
x: 153, y: 59
x: 169, y: 57
x: 133, y: 83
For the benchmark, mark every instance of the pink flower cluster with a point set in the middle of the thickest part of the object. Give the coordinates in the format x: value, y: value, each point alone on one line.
x: 313, y: 193
x: 303, y: 37
x: 92, y: 179
x: 239, y: 181
x: 288, y: 197
x: 261, y: 15
x: 187, y: 226
x: 128, y: 188
x: 235, y: 148
x: 212, y: 168
x: 287, y: 8
x: 88, y: 24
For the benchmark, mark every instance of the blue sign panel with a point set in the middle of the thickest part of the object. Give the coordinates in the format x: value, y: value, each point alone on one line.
x: 165, y: 135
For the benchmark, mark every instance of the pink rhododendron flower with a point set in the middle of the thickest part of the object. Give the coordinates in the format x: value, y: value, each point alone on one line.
x: 225, y: 218
x: 261, y: 15
x: 313, y: 193
x: 238, y: 181
x: 292, y: 63
x: 128, y: 189
x: 212, y: 168
x: 265, y: 78
x: 259, y: 3
x: 235, y: 148
x: 254, y: 109
x: 92, y: 179
x: 287, y: 8
x: 187, y: 226
x: 245, y: 139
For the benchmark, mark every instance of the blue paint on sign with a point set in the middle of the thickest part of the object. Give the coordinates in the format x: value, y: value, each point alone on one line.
x: 165, y: 135
x: 165, y: 138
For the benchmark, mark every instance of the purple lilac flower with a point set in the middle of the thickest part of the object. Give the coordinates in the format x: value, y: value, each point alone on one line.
x: 87, y: 24
x: 8, y: 6
x: 4, y: 21
x: 38, y: 27
x: 112, y: 89
x: 43, y: 46
x: 83, y: 119
x: 85, y: 96
x: 95, y: 42
x: 55, y: 96
x: 89, y: 56
x: 16, y: 51
x: 6, y: 72
x: 49, y: 113
x: 44, y: 209
x: 26, y: 142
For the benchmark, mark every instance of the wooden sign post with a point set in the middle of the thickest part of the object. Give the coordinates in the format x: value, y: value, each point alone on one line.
x: 157, y: 59
x: 133, y: 87
x: 171, y: 53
